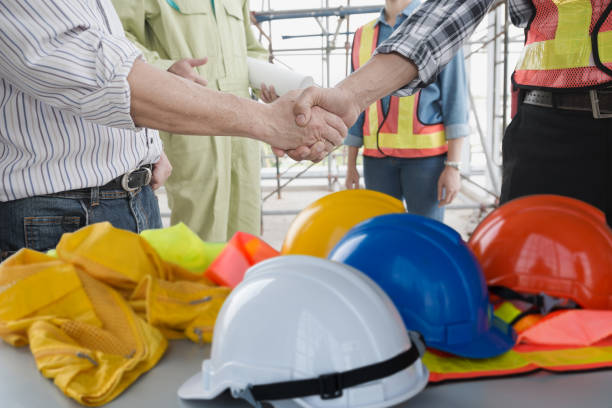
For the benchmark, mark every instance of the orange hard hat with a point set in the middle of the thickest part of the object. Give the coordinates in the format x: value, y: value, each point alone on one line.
x: 549, y: 244
x: 318, y: 227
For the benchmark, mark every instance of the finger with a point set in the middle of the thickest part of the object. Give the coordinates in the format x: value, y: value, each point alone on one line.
x: 303, y: 105
x: 451, y: 197
x: 197, y: 62
x: 301, y: 153
x: 278, y: 152
x: 338, y: 124
x: 273, y: 92
x: 447, y: 196
x: 199, y: 80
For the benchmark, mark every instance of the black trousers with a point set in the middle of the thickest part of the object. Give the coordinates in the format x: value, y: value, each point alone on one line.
x: 553, y: 151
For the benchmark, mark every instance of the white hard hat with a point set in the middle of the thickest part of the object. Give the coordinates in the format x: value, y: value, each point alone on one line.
x: 313, y: 331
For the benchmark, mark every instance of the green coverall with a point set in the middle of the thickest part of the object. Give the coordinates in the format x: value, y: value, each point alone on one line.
x: 214, y: 187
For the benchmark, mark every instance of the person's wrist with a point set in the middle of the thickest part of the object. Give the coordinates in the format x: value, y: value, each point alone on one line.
x: 260, y: 125
x: 350, y: 96
x: 456, y: 165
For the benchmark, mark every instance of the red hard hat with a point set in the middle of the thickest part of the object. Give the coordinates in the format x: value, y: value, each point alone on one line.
x: 548, y: 244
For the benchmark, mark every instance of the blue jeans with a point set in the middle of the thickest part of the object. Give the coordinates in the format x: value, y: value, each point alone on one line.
x: 414, y: 180
x: 39, y: 222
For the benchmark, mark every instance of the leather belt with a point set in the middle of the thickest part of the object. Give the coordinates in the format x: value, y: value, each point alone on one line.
x: 132, y: 180
x: 598, y: 101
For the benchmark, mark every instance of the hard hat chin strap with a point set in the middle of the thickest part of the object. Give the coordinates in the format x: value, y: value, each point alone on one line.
x: 541, y: 302
x: 328, y: 386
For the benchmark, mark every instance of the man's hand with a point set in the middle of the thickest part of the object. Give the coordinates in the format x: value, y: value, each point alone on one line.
x: 314, y: 141
x: 161, y: 171
x: 335, y: 100
x: 449, y: 184
x: 185, y: 69
x: 352, y: 178
x: 268, y: 95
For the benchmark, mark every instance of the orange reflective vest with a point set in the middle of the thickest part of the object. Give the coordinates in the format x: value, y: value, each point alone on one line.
x: 400, y: 133
x: 569, y: 45
x: 563, y: 341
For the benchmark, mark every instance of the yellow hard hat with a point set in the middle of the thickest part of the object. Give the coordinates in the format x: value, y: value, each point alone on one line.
x: 320, y: 226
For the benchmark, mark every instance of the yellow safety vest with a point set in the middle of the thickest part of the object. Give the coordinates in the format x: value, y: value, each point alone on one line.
x: 569, y: 45
x: 564, y: 341
x: 400, y: 133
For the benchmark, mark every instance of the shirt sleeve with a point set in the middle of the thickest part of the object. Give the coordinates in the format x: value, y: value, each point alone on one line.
x: 432, y: 35
x: 61, y: 52
x: 454, y: 101
x: 355, y: 133
x: 133, y: 15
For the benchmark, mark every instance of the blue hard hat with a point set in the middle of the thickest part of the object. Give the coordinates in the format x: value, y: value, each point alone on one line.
x: 434, y: 280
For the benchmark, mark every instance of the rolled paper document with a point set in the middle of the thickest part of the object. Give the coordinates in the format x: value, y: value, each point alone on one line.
x: 283, y: 80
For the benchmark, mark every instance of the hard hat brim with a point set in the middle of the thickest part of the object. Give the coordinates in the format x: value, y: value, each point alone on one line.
x: 499, y: 339
x: 193, y: 389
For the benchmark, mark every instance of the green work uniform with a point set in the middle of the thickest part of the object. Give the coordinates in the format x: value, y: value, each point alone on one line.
x: 214, y: 187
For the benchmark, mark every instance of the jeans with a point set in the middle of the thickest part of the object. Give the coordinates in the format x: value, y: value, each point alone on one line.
x: 552, y: 151
x: 413, y: 179
x: 39, y: 222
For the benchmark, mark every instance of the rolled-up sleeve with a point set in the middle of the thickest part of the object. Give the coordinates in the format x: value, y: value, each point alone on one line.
x: 432, y: 35
x: 60, y: 53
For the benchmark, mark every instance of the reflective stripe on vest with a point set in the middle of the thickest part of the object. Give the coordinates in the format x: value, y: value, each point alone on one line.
x: 560, y: 51
x: 401, y: 133
x: 566, y: 340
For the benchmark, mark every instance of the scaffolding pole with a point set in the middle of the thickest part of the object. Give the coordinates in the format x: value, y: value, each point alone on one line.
x: 316, y: 12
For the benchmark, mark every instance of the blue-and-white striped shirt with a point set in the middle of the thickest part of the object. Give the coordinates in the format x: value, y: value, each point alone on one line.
x: 64, y: 98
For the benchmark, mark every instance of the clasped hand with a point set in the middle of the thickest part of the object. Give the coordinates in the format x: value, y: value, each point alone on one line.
x: 324, y: 115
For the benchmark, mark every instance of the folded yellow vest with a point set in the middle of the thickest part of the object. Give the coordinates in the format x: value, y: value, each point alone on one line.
x: 89, y: 315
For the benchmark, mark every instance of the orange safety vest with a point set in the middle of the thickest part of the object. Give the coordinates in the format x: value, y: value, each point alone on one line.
x: 563, y: 341
x: 569, y: 45
x: 401, y: 133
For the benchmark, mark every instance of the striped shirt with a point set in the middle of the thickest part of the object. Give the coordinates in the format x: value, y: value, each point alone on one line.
x: 436, y: 31
x: 64, y: 98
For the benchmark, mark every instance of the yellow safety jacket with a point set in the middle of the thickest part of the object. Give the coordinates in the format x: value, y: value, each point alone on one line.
x: 98, y: 316
x: 568, y: 45
x: 400, y: 133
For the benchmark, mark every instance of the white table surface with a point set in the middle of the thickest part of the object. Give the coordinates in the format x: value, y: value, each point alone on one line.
x: 22, y: 386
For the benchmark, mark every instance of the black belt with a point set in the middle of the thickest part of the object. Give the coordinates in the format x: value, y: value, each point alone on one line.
x: 598, y: 101
x: 132, y: 180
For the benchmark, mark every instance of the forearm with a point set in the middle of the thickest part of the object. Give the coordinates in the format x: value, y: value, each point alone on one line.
x: 353, y: 151
x: 160, y: 100
x: 432, y: 35
x: 381, y: 75
x: 454, y: 149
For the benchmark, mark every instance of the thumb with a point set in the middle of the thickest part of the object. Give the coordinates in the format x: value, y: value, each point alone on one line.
x: 303, y: 105
x: 196, y: 62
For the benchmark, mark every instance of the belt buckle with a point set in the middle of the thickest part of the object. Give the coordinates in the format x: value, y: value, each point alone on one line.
x: 595, y: 106
x: 125, y: 179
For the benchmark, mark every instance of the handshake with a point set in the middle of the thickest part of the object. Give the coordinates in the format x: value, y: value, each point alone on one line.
x: 308, y: 124
x: 305, y: 124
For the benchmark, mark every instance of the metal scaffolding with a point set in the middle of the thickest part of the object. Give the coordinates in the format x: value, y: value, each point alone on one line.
x: 490, y: 112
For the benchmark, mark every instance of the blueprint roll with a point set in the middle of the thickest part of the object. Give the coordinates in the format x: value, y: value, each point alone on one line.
x: 283, y: 80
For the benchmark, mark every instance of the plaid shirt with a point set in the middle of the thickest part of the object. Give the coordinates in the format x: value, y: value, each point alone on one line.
x: 436, y: 30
